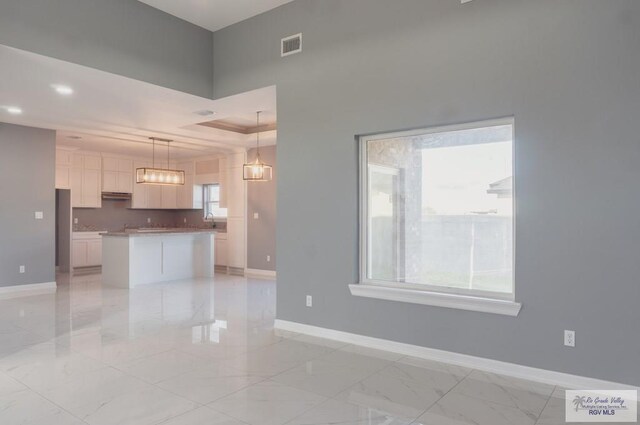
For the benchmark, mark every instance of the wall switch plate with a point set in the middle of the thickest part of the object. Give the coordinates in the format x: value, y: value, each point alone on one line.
x: 268, y: 258
x: 570, y: 338
x: 75, y: 221
x: 309, y: 301
x: 22, y: 269
x: 256, y: 216
x: 184, y: 220
x: 39, y: 215
x: 149, y: 220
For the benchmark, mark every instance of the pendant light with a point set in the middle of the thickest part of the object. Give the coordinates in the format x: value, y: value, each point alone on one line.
x: 257, y: 171
x: 160, y: 176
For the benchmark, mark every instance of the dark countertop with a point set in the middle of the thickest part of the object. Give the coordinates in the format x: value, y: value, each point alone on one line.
x: 157, y: 232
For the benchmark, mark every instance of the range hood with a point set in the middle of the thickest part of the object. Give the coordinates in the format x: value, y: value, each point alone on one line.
x: 116, y: 195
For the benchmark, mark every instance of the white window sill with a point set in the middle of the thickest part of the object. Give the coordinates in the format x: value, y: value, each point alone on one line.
x: 437, y: 299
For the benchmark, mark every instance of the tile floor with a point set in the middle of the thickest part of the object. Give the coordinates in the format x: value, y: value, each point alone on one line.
x: 205, y: 353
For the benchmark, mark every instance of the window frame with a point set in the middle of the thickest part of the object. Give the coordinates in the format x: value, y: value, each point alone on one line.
x: 206, y: 202
x: 404, y: 291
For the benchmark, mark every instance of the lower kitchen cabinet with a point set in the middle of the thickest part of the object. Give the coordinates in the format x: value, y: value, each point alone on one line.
x: 221, y: 250
x: 86, y: 249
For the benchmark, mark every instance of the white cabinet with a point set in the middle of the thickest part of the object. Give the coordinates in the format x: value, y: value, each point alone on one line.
x: 63, y: 169
x: 139, y: 199
x: 235, y: 189
x: 236, y: 242
x: 154, y: 196
x: 222, y: 181
x: 86, y: 181
x: 169, y: 197
x: 63, y: 177
x: 189, y: 195
x: 91, y: 192
x: 146, y: 196
x: 221, y: 250
x: 86, y: 249
x: 94, y: 255
x: 117, y: 175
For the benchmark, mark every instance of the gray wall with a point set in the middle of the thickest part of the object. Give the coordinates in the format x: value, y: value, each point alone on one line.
x: 123, y: 37
x: 27, y: 178
x: 261, y: 232
x: 566, y: 69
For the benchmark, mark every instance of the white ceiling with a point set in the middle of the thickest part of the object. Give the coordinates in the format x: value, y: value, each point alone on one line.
x: 215, y: 14
x: 116, y: 114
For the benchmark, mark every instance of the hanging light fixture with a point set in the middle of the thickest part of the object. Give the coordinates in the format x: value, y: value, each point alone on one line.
x: 160, y: 176
x: 257, y: 171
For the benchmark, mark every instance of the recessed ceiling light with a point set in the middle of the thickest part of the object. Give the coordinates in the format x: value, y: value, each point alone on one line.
x: 62, y: 89
x: 74, y: 137
x: 205, y: 113
x: 13, y: 110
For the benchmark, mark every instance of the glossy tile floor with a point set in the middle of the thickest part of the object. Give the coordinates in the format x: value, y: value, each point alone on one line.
x: 205, y: 353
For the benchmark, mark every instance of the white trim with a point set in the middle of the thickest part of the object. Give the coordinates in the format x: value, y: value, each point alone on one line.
x: 438, y: 299
x: 257, y: 273
x: 15, y: 291
x: 494, y: 366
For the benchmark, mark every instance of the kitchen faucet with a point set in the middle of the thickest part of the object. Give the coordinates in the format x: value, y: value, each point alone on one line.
x: 206, y: 218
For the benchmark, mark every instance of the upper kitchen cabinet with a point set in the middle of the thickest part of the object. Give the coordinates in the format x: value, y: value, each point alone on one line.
x: 140, y: 198
x: 86, y: 180
x: 64, y: 159
x: 189, y: 195
x: 117, y: 175
x: 149, y: 196
x: 169, y: 197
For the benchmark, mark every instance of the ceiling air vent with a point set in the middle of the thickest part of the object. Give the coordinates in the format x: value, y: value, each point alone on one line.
x: 291, y: 45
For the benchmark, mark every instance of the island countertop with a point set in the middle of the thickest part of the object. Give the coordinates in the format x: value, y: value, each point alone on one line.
x: 157, y: 232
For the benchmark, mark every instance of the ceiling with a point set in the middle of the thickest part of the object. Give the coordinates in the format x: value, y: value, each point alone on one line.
x: 115, y: 114
x: 215, y: 14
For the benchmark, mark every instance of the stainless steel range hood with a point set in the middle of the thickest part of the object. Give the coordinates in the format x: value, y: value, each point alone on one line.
x: 116, y: 195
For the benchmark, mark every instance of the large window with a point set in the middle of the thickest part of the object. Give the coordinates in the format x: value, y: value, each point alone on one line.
x: 437, y: 210
x: 212, y: 202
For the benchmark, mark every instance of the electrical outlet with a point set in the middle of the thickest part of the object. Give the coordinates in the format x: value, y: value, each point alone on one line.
x: 256, y: 216
x: 268, y: 258
x: 149, y: 220
x: 309, y: 301
x: 39, y: 215
x: 570, y: 338
x: 75, y: 221
x: 22, y: 269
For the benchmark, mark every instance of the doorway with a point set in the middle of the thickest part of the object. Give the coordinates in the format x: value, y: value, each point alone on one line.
x: 63, y: 230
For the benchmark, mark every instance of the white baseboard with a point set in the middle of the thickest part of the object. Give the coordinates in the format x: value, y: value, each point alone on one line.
x: 495, y: 366
x: 266, y: 274
x: 15, y: 291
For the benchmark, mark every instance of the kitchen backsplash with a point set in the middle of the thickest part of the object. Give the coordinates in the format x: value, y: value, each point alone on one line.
x: 115, y: 215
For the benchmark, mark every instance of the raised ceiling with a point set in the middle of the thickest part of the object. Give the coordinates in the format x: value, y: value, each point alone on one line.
x: 115, y: 114
x: 215, y: 14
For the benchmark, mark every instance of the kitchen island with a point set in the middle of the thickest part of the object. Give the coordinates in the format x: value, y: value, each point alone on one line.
x: 133, y: 258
